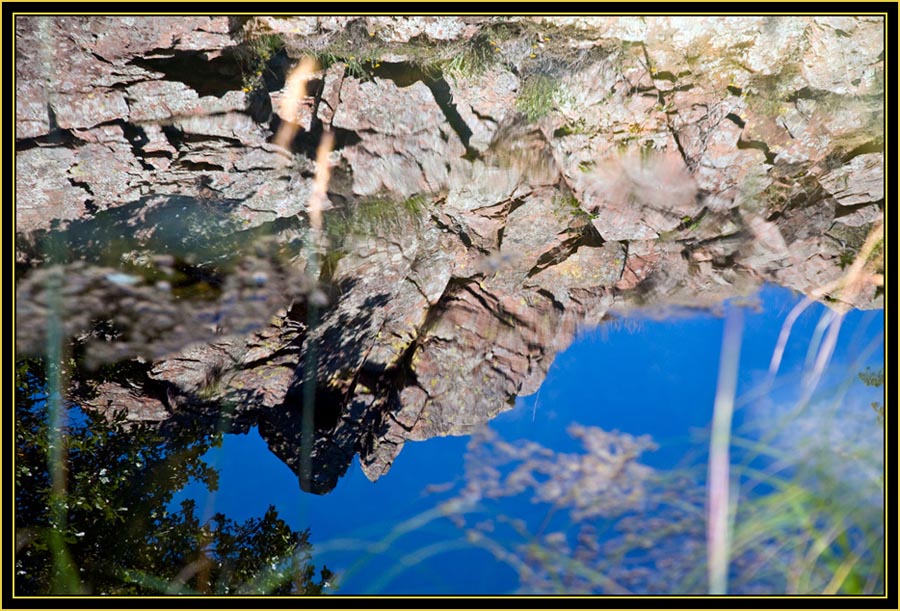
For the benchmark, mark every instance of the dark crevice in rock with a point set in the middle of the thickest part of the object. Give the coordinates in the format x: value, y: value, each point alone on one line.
x: 734, y: 239
x: 274, y: 74
x: 841, y: 211
x: 552, y: 298
x: 455, y: 228
x: 199, y: 166
x: 214, y: 77
x: 89, y: 204
x: 664, y: 75
x: 784, y: 126
x: 307, y: 141
x: 259, y: 106
x: 51, y: 118
x: 100, y: 58
x: 589, y: 238
x: 403, y: 374
x: 236, y: 23
x: 158, y: 155
x: 736, y: 120
x: 500, y: 233
x: 289, y: 349
x: 808, y: 93
x: 197, y: 138
x: 514, y: 204
x: 496, y: 309
x: 727, y: 261
x: 679, y: 146
x: 774, y: 215
x: 405, y: 427
x: 644, y: 90
x: 418, y: 288
x: 759, y: 146
x: 434, y: 314
x: 687, y: 222
x: 405, y: 74
x: 137, y: 138
x: 174, y: 135
x: 835, y: 239
x: 735, y: 90
x: 327, y: 405
x: 626, y: 246
x: 440, y: 89
x: 297, y: 315
x: 135, y: 135
x: 56, y: 137
x: 873, y: 146
x: 80, y: 185
x: 490, y: 119
x: 344, y: 138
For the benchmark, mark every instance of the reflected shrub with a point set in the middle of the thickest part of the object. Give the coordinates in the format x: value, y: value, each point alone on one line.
x: 613, y: 525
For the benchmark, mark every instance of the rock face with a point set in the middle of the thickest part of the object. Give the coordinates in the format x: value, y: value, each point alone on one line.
x: 497, y: 183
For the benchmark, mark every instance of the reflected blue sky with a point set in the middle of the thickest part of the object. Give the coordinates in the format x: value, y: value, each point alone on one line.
x: 644, y: 377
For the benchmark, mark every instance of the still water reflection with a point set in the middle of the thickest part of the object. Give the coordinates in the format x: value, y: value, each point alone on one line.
x: 591, y: 479
x: 595, y: 483
x: 354, y: 248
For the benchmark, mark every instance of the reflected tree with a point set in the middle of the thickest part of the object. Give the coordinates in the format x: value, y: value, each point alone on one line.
x: 106, y: 526
x: 613, y: 525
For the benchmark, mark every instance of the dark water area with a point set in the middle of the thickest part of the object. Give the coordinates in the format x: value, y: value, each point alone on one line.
x: 640, y: 376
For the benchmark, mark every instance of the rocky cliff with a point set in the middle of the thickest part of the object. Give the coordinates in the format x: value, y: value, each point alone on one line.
x: 496, y: 184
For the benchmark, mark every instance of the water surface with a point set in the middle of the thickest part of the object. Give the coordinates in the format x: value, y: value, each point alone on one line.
x: 641, y: 376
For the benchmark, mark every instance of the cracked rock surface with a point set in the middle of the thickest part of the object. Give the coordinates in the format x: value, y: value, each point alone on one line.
x: 497, y: 184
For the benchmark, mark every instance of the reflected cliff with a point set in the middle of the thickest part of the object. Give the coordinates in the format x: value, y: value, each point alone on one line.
x: 429, y: 316
x: 439, y: 222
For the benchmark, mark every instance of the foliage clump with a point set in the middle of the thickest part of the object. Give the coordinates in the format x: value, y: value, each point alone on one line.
x: 94, y: 516
x: 255, y: 55
x: 537, y: 96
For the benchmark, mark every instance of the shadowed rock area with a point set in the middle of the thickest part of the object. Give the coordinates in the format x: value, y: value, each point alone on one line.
x: 496, y: 185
